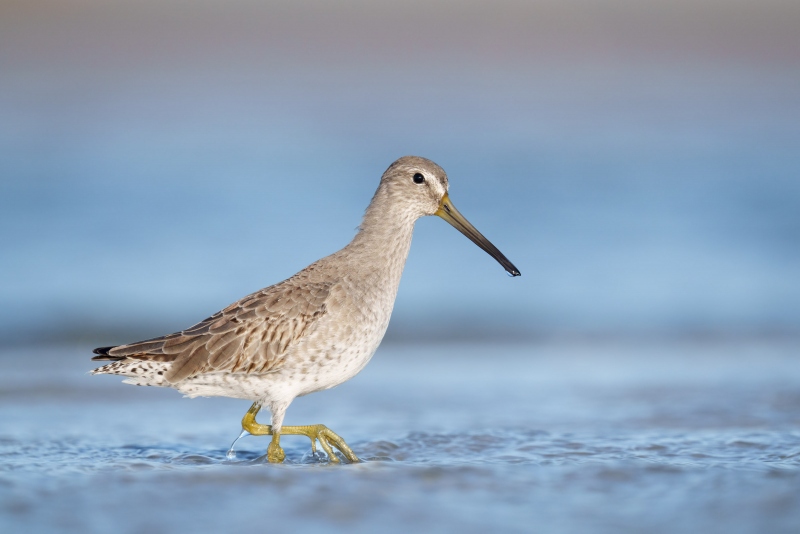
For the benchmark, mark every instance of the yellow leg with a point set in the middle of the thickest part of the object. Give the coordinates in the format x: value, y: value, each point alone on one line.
x: 275, y: 453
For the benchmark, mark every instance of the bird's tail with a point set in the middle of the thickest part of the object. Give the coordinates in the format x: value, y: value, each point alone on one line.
x: 102, y: 354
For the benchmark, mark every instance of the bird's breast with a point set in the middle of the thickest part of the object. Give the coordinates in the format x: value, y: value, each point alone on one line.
x: 345, y: 338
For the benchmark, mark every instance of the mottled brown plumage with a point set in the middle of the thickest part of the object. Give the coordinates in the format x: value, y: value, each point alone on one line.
x: 249, y: 336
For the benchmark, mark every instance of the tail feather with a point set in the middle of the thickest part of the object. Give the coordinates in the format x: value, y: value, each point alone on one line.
x: 102, y: 354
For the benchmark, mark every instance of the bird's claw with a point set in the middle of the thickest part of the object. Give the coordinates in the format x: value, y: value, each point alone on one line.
x: 328, y: 439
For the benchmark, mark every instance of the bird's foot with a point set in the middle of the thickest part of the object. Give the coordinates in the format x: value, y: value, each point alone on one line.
x: 275, y: 454
x: 326, y: 437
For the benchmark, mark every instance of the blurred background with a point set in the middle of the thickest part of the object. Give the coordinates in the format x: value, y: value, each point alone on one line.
x: 639, y: 161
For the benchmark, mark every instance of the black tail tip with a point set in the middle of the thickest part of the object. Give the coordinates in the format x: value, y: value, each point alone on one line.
x: 102, y: 353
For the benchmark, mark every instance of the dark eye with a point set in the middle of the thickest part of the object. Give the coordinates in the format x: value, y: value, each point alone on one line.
x: 418, y: 178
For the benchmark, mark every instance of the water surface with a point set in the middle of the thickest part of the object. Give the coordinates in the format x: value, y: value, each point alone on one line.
x: 560, y: 437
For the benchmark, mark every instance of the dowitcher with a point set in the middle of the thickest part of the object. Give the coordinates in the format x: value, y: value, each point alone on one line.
x: 310, y: 332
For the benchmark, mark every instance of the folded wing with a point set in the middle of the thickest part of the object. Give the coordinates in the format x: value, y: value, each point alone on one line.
x: 252, y: 335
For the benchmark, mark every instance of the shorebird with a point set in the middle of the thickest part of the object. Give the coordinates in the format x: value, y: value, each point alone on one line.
x: 312, y: 331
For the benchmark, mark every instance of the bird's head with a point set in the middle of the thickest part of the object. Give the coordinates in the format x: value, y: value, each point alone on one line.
x: 420, y: 186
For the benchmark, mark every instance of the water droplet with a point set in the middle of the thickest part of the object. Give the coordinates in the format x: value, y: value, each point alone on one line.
x: 231, y: 454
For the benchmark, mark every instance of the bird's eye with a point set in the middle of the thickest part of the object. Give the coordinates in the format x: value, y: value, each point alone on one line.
x: 418, y: 178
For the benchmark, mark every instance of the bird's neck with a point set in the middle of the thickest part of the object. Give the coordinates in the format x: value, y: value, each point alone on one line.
x: 381, y: 246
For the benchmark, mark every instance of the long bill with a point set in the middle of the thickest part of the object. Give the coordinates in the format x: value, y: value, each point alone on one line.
x: 449, y: 213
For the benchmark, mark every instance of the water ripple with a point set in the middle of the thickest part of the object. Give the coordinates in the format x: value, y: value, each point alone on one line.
x: 765, y: 450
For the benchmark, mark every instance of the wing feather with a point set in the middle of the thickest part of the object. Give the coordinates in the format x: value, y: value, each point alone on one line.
x: 251, y: 335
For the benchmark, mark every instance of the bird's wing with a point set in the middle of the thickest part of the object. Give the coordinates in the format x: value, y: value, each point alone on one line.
x: 251, y: 335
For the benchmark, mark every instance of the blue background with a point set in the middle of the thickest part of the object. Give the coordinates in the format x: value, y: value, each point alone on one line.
x: 638, y: 161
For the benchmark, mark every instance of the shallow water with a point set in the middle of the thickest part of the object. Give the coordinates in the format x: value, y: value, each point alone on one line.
x: 562, y: 437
